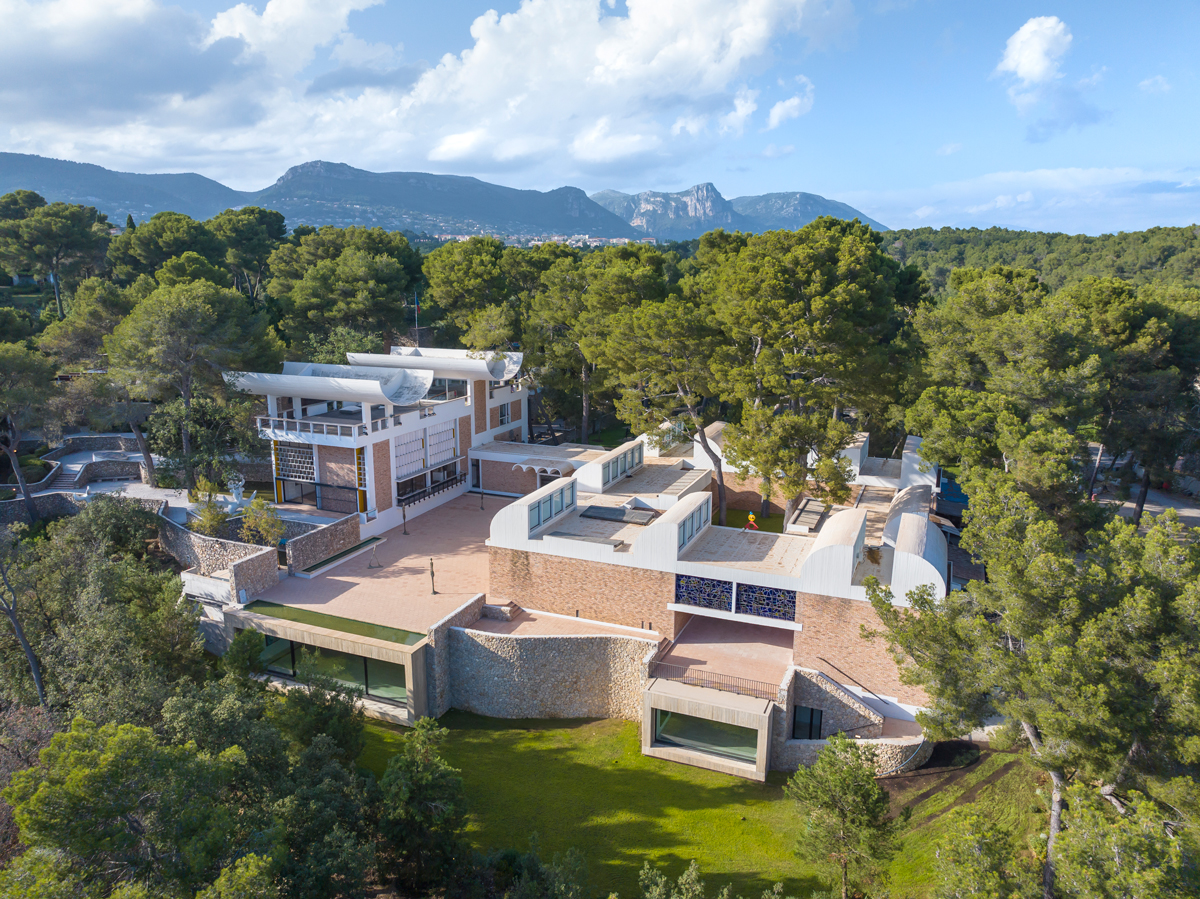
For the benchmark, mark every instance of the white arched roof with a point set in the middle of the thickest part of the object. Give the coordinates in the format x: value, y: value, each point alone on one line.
x: 912, y: 500
x: 545, y: 466
x: 495, y: 366
x: 337, y: 382
x: 920, y: 556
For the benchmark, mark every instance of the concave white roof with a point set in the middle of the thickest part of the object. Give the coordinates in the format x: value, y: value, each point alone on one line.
x: 347, y: 383
x: 490, y: 364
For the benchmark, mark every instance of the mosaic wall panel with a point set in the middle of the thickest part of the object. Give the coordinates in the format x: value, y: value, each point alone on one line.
x: 766, y: 602
x: 704, y: 592
x: 294, y: 461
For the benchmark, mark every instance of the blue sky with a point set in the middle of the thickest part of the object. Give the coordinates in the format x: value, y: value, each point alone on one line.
x: 1071, y: 116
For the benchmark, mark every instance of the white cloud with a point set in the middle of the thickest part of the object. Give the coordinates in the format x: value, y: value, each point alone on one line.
x: 948, y: 149
x: 771, y: 151
x: 1155, y: 85
x: 793, y: 107
x: 924, y: 212
x: 287, y: 32
x: 1034, y: 51
x: 743, y: 107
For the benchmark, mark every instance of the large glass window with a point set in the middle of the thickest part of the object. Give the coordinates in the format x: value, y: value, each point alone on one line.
x: 806, y: 723
x: 700, y: 734
x: 535, y: 515
x: 385, y: 680
x: 277, y: 656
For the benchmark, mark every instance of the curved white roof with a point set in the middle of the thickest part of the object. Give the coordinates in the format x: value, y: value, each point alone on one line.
x: 495, y: 366
x: 337, y: 382
x: 912, y: 500
x: 843, y: 528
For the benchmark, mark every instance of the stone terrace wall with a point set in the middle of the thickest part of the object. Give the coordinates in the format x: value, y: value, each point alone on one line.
x: 254, y: 574
x: 505, y: 676
x: 310, y: 548
x: 48, y: 505
x: 205, y: 554
x: 841, y: 711
x: 93, y: 443
x: 232, y: 529
x: 437, y: 655
x: 894, y: 755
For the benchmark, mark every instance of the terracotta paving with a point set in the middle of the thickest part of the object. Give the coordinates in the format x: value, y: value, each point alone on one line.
x: 533, y: 622
x: 734, y: 648
x: 398, y: 594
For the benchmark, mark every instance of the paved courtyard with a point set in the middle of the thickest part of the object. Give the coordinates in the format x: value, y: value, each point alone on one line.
x: 398, y: 594
x: 733, y: 648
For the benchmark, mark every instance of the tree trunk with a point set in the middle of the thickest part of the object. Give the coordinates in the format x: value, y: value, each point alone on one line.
x: 185, y: 439
x: 147, y: 456
x: 1056, y: 810
x: 11, y: 452
x: 716, y: 461
x: 57, y: 295
x: 1141, y: 502
x: 845, y: 879
x: 1095, y: 471
x: 764, y: 508
x: 10, y: 609
x: 584, y: 379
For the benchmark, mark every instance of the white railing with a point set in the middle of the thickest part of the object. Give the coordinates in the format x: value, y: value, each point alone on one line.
x: 296, y: 426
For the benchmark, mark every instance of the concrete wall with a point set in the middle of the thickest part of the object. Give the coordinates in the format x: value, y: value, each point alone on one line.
x: 832, y: 642
x: 438, y: 674
x: 634, y: 597
x: 310, y: 548
x: 507, y: 676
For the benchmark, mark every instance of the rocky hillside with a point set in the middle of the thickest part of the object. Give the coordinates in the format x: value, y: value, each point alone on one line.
x: 689, y: 213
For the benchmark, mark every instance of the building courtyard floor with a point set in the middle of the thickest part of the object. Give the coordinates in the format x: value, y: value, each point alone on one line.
x: 398, y: 593
x: 733, y: 648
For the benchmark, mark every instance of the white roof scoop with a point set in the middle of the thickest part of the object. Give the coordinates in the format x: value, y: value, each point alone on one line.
x: 347, y: 383
x: 490, y: 364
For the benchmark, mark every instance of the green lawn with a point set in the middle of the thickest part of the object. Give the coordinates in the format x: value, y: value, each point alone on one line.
x: 586, y: 784
x: 610, y: 438
x: 736, y: 518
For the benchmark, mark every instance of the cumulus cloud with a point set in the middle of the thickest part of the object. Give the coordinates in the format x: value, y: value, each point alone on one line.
x: 793, y: 107
x: 1033, y: 56
x: 744, y: 106
x: 1034, y: 51
x: 1155, y: 85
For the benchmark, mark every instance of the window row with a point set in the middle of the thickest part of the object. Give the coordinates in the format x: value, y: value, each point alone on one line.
x: 551, y: 506
x: 377, y: 679
x: 692, y: 525
x: 622, y: 464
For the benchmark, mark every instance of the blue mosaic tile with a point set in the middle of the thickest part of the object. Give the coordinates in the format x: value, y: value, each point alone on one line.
x: 766, y: 602
x: 704, y: 592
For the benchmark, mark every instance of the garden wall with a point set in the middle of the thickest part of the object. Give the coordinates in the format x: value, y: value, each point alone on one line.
x: 437, y: 656
x: 48, y: 505
x: 308, y: 549
x: 506, y: 676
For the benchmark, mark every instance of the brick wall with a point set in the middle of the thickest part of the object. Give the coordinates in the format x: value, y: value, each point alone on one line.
x: 831, y: 642
x: 502, y: 478
x: 494, y: 417
x: 514, y: 408
x: 464, y: 435
x: 335, y: 466
x: 384, y: 485
x: 479, y: 393
x: 745, y: 494
x: 506, y: 676
x: 613, y: 593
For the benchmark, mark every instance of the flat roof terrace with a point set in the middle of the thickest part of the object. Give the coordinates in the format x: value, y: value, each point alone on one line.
x: 398, y: 594
x: 732, y: 648
x: 749, y: 550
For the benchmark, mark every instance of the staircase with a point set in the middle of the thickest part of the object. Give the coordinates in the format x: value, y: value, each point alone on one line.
x: 65, y: 479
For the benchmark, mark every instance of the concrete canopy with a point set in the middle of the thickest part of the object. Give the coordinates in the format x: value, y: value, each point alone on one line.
x: 494, y: 366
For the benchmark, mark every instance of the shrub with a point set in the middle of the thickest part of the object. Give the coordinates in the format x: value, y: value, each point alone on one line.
x: 210, y: 520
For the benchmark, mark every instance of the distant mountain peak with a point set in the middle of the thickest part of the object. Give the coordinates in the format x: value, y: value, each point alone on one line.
x: 322, y: 169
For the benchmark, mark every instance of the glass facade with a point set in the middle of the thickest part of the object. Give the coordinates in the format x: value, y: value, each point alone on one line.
x: 377, y: 679
x: 712, y: 737
x: 806, y: 724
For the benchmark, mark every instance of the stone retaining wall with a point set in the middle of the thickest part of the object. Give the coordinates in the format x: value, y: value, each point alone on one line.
x: 205, y: 554
x: 437, y: 657
x: 506, y: 676
x: 308, y: 549
x: 48, y: 505
x: 254, y: 574
x: 842, y: 712
x: 232, y: 529
x: 893, y: 755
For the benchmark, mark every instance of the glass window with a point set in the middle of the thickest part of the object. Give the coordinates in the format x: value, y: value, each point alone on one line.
x: 640, y: 448
x: 682, y: 535
x: 386, y: 680
x: 604, y: 468
x: 277, y: 656
x: 558, y: 501
x: 535, y: 515
x: 505, y: 410
x: 341, y: 666
x: 622, y: 461
x: 806, y: 723
x: 702, y: 735
x: 570, y: 494
x: 547, y: 511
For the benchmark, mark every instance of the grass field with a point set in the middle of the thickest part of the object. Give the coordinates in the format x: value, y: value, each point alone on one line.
x: 585, y: 784
x: 736, y: 518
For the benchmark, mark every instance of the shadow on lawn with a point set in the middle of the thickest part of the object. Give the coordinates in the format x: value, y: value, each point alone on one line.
x: 585, y: 783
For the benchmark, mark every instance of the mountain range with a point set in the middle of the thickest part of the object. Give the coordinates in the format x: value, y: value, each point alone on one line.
x: 330, y: 193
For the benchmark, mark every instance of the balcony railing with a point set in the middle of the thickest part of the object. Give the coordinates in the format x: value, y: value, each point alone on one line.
x: 698, y: 677
x: 440, y: 487
x: 299, y: 426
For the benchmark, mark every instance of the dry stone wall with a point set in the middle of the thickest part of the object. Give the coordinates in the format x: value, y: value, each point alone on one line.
x: 842, y: 712
x: 48, y: 505
x: 205, y: 554
x: 308, y: 549
x: 437, y: 656
x: 254, y: 574
x: 507, y: 676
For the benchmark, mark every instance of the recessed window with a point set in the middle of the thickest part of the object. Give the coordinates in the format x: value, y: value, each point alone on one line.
x: 505, y: 412
x: 806, y: 723
x: 709, y: 737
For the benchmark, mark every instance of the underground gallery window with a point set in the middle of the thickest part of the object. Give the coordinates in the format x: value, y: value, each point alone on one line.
x: 701, y: 735
x: 806, y: 724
